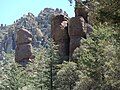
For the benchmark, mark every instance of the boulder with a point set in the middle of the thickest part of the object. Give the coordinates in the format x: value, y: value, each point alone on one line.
x: 23, y: 52
x: 83, y: 12
x: 58, y: 30
x: 23, y: 36
x: 76, y: 27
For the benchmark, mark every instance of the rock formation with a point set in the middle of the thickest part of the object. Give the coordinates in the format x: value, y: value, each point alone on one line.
x: 23, y: 51
x: 83, y: 12
x: 44, y: 19
x: 1, y: 52
x: 39, y: 26
x: 59, y: 33
x: 68, y: 37
x: 76, y: 31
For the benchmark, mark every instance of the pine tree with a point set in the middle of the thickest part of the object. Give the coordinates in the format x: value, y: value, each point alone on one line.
x: 52, y: 60
x: 97, y: 60
x: 67, y: 76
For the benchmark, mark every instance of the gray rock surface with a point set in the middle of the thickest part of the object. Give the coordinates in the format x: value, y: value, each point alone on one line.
x: 39, y: 26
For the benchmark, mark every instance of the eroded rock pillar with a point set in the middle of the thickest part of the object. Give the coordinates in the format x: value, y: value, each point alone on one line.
x: 76, y: 32
x: 23, y: 51
x: 59, y: 32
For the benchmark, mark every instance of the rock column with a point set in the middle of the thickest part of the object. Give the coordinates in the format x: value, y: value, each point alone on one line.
x: 59, y: 32
x: 23, y: 51
x: 76, y: 32
x: 68, y: 33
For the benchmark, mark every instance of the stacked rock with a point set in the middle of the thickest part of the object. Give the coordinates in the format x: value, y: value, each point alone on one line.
x: 78, y: 27
x: 23, y: 51
x: 59, y: 32
x: 68, y: 33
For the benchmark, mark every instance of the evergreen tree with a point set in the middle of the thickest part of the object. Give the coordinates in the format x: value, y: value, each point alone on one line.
x: 98, y: 60
x: 52, y: 60
x: 67, y: 76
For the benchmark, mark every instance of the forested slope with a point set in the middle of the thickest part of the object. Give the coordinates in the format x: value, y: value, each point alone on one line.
x: 97, y: 65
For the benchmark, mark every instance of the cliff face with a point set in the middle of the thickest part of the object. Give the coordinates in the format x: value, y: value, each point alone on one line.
x: 39, y: 26
x: 59, y: 33
x: 67, y: 33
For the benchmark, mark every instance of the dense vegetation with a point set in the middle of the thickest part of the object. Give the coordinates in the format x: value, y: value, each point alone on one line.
x: 97, y: 65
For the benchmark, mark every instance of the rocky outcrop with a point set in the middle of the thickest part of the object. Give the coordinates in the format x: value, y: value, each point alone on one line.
x: 1, y: 52
x: 44, y: 19
x: 68, y: 38
x: 39, y: 26
x: 59, y: 33
x: 23, y: 49
x: 76, y: 30
x: 29, y: 22
x: 83, y: 12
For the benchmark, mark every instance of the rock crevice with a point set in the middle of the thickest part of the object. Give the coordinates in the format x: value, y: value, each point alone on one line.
x: 67, y: 33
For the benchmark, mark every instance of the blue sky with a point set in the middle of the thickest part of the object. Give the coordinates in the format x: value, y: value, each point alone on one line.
x: 10, y: 10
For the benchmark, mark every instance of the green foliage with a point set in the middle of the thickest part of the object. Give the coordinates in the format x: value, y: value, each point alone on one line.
x: 52, y: 60
x: 67, y: 76
x: 15, y: 77
x: 106, y: 10
x: 103, y: 10
x: 97, y: 60
x: 97, y: 67
x: 39, y: 75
